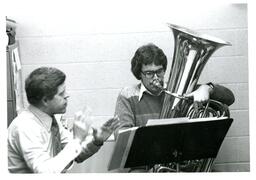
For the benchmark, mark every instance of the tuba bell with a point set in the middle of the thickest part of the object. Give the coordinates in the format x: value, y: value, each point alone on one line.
x: 191, y: 53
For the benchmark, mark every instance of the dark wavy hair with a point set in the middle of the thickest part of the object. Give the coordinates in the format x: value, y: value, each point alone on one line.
x: 43, y: 82
x: 147, y: 54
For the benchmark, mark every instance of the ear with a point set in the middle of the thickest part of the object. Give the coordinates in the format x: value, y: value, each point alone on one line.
x: 44, y: 101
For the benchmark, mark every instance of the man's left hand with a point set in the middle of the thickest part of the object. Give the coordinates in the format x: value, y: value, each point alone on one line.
x: 202, y: 94
x: 102, y: 133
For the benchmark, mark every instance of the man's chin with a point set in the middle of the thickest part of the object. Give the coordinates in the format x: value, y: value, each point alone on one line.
x: 155, y: 91
x: 63, y: 111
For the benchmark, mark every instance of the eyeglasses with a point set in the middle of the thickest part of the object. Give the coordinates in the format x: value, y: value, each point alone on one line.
x: 151, y: 74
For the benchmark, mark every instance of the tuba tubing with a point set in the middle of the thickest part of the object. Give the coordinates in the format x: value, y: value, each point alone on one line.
x: 192, y: 51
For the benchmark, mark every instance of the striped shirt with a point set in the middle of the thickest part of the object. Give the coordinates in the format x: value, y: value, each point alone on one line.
x: 136, y: 105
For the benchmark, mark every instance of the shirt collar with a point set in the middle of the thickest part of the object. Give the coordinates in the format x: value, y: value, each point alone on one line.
x: 143, y: 89
x: 44, y: 118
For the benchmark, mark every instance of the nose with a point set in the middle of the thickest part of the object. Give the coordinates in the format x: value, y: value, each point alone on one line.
x: 66, y: 95
x: 155, y: 76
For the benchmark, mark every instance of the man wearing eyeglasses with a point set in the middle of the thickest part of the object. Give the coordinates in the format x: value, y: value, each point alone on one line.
x: 136, y: 104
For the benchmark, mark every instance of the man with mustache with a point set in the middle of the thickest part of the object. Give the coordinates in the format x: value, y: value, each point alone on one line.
x: 138, y: 103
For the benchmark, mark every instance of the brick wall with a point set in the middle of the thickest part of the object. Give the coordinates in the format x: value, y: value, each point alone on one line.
x: 96, y: 59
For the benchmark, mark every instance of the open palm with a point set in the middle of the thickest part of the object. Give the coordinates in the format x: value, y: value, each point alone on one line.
x: 102, y: 133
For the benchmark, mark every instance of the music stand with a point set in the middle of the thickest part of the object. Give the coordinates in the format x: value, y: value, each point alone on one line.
x: 170, y: 143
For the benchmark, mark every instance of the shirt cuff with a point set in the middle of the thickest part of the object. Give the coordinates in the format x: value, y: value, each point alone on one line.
x: 90, y: 146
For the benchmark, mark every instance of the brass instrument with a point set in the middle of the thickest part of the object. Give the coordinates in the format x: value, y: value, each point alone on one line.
x: 191, y: 53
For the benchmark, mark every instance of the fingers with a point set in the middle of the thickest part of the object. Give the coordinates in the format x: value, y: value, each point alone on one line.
x: 94, y: 131
x: 114, y: 126
x: 80, y: 120
x: 197, y: 105
x: 112, y: 123
x: 109, y: 122
x: 78, y: 116
x: 189, y: 95
x: 198, y: 109
x: 80, y: 128
x: 87, y: 112
x: 197, y: 98
x: 201, y: 100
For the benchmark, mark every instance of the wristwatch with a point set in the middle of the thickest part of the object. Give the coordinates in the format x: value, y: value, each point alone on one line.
x: 97, y: 143
x: 210, y: 84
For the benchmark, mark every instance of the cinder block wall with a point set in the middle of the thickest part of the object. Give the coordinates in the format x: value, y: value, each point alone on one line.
x: 96, y: 59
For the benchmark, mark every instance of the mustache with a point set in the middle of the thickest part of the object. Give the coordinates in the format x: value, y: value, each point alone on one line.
x: 157, y: 83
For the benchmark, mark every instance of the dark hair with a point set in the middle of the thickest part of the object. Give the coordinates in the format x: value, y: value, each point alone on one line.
x: 43, y: 81
x: 147, y: 54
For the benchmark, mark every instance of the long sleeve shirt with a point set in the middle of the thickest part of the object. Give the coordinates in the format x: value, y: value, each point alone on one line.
x: 30, y: 148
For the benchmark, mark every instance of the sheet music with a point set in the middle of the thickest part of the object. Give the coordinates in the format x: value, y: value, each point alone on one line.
x: 152, y: 122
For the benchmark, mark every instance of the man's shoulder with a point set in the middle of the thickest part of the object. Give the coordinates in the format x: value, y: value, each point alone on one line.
x: 130, y: 91
x: 23, y: 120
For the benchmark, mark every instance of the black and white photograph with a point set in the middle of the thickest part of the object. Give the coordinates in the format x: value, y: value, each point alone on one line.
x: 127, y: 87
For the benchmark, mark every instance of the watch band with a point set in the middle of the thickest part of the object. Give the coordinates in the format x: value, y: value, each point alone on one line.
x: 210, y: 84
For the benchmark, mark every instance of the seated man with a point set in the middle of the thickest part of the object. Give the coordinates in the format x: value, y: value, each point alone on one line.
x: 36, y: 141
x: 138, y: 103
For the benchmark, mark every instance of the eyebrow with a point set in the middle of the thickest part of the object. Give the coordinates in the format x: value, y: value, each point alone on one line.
x: 154, y: 70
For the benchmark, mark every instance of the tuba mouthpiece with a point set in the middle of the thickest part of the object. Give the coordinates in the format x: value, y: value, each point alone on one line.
x: 158, y: 84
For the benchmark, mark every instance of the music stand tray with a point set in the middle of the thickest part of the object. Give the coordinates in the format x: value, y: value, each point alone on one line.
x: 166, y: 143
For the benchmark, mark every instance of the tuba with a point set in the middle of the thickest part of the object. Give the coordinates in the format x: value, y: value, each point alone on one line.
x: 191, y: 53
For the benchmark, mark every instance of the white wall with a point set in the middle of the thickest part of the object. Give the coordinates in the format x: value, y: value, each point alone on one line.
x: 95, y: 52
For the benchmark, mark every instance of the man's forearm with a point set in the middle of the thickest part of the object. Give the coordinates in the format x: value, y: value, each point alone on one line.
x: 59, y: 162
x: 222, y: 94
x: 89, y: 149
